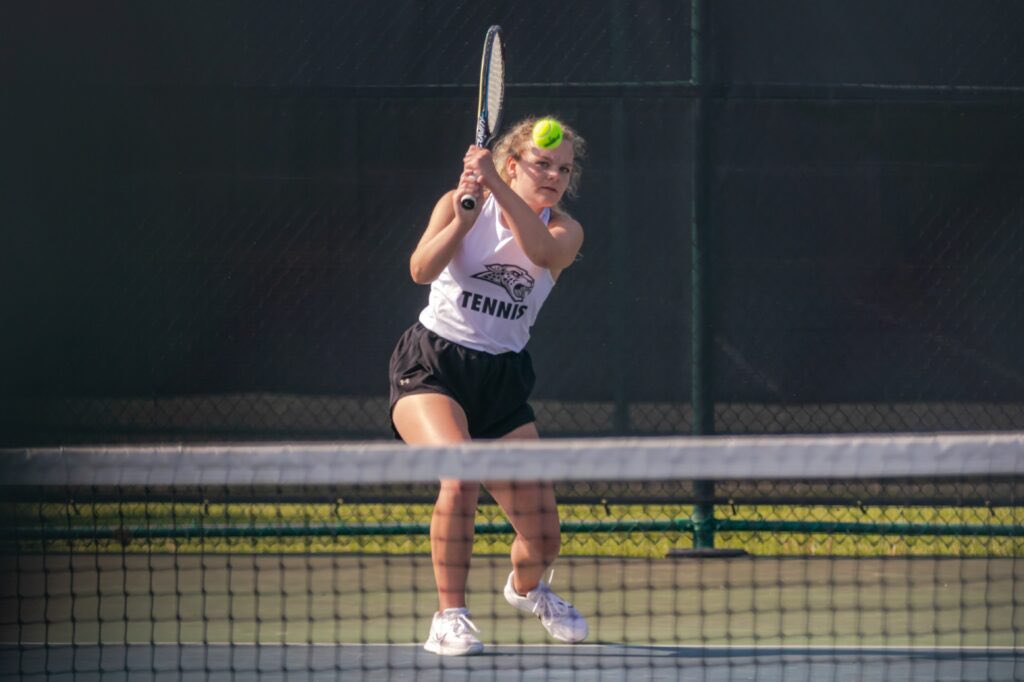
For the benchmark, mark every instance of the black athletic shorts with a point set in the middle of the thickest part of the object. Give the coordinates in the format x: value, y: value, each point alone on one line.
x: 492, y: 389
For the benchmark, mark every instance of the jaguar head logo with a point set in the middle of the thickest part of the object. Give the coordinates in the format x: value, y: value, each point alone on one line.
x: 516, y: 281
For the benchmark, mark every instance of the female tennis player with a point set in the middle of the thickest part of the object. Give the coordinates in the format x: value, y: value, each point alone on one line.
x: 462, y: 373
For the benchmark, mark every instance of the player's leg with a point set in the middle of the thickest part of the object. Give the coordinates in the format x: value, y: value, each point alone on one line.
x: 436, y: 419
x: 533, y: 513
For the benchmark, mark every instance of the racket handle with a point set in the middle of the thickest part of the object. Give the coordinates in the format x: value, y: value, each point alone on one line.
x: 468, y: 202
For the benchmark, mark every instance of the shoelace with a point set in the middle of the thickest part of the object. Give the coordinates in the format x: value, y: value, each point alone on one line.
x: 549, y: 605
x: 461, y: 624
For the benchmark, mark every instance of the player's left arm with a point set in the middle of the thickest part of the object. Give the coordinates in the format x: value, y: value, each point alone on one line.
x: 567, y: 237
x: 553, y: 246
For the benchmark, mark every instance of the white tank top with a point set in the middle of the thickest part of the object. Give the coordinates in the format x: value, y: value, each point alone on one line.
x: 489, y: 295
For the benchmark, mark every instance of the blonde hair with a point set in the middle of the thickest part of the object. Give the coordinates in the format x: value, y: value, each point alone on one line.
x: 519, y: 138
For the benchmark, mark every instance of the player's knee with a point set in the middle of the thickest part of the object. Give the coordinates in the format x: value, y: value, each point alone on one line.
x: 458, y: 495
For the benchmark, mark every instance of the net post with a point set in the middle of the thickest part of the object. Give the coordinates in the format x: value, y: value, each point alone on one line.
x: 703, y: 515
x: 703, y: 407
x: 701, y: 395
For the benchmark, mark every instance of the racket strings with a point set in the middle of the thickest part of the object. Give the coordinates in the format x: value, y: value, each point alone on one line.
x: 495, y: 86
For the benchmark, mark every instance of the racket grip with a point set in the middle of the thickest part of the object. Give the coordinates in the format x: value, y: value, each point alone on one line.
x: 468, y: 202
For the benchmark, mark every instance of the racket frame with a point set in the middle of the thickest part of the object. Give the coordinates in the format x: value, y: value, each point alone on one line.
x: 488, y: 121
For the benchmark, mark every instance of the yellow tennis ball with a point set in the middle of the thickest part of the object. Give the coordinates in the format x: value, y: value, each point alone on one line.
x: 547, y: 133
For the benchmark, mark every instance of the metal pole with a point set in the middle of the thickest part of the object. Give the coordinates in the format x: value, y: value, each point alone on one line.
x: 620, y: 246
x: 701, y: 396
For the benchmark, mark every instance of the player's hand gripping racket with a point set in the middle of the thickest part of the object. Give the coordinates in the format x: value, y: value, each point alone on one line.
x: 492, y: 95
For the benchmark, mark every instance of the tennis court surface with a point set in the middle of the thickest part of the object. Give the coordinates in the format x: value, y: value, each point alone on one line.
x: 763, y: 558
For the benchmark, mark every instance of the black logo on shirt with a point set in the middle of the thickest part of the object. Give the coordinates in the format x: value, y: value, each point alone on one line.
x: 492, y: 306
x: 516, y: 281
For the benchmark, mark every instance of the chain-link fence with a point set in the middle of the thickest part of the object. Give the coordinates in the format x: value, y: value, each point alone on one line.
x: 209, y: 211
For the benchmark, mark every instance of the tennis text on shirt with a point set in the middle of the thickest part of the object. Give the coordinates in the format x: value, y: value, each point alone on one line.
x: 488, y: 296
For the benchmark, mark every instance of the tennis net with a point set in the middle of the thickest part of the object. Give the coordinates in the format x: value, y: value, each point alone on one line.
x: 874, y: 557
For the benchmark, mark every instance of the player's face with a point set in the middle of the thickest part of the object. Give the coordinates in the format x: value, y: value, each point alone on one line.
x: 541, y: 176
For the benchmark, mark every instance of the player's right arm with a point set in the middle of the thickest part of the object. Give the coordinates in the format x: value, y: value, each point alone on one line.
x: 448, y: 224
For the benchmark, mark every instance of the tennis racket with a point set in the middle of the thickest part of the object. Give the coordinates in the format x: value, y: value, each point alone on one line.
x: 492, y: 96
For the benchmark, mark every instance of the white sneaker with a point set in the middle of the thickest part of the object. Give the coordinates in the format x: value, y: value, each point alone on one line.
x: 559, y: 617
x: 452, y: 634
